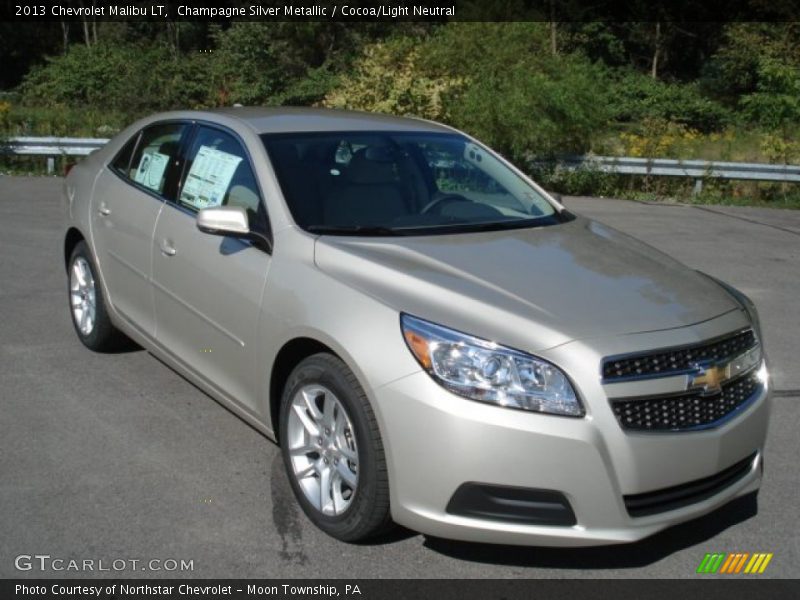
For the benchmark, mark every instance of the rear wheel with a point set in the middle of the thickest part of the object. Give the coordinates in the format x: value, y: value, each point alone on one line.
x: 87, y: 304
x: 332, y: 450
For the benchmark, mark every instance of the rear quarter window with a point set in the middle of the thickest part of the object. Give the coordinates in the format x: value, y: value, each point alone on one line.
x: 121, y: 163
x: 150, y: 159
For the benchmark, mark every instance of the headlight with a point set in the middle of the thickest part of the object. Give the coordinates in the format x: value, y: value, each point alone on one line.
x: 484, y: 371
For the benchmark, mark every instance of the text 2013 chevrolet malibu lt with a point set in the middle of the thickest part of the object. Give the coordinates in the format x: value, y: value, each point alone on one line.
x: 432, y: 339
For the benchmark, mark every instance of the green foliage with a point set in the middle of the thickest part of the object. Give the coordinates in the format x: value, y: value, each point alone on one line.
x: 514, y: 93
x: 132, y: 78
x: 638, y: 97
x: 733, y: 69
x: 498, y: 81
x: 719, y: 91
x: 388, y: 78
x: 62, y: 121
x: 776, y: 103
x: 585, y: 181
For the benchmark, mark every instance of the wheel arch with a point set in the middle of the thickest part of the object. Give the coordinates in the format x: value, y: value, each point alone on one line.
x: 289, y: 356
x: 71, y: 239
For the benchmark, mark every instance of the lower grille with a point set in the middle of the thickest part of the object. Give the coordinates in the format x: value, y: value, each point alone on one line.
x: 650, y: 503
x: 686, y: 411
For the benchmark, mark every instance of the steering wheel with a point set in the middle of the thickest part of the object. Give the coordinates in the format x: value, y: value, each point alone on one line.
x: 441, y: 201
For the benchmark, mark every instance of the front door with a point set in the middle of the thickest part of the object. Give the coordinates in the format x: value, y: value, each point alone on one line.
x: 207, y: 288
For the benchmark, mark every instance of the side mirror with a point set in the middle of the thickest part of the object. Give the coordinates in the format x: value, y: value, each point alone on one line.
x: 230, y: 221
x: 223, y: 220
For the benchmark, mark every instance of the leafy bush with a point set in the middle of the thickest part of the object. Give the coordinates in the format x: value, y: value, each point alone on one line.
x: 584, y: 181
x: 129, y: 78
x: 638, y: 97
x: 658, y: 138
x: 62, y: 121
x: 733, y: 69
x: 776, y: 103
x: 388, y: 79
x: 514, y: 93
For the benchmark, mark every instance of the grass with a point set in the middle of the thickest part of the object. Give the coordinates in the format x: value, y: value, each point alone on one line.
x: 34, y: 166
x: 718, y: 192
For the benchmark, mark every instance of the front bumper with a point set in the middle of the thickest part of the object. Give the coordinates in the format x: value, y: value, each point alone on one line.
x: 436, y: 441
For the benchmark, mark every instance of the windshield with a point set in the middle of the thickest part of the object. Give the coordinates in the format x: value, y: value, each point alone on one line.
x: 400, y: 183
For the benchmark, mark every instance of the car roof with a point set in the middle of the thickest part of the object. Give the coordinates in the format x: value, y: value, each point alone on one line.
x: 292, y: 119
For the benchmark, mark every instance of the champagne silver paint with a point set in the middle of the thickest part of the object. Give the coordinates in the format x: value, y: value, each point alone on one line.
x: 444, y: 343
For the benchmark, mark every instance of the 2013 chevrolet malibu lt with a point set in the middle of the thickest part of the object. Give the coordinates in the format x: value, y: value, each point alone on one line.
x: 432, y: 339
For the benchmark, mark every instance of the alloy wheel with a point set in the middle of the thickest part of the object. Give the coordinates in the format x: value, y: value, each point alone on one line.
x: 322, y: 449
x: 82, y: 295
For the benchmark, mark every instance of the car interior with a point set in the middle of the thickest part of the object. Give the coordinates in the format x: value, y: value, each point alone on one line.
x: 338, y: 182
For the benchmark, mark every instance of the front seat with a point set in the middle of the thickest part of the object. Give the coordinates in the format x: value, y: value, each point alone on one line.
x: 371, y: 193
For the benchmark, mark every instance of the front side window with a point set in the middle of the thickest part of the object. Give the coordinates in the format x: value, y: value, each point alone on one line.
x: 154, y: 165
x: 400, y: 183
x: 218, y: 173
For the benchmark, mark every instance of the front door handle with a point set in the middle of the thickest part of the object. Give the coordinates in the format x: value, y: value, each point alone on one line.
x: 167, y: 249
x: 103, y: 210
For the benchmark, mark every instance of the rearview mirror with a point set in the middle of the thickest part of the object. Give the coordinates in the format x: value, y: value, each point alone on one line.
x: 230, y: 221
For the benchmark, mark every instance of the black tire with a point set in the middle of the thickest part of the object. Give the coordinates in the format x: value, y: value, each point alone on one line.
x: 103, y: 337
x: 368, y: 514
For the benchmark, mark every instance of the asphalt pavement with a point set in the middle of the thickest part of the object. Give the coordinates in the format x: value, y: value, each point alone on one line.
x: 116, y: 457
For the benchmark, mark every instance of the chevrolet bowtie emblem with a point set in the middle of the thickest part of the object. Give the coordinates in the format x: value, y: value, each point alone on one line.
x: 709, y: 379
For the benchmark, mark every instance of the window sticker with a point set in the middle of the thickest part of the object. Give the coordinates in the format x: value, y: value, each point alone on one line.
x: 150, y: 171
x: 209, y: 178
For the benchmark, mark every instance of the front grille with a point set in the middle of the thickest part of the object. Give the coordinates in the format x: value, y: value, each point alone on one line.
x: 651, y: 503
x: 665, y: 362
x: 686, y: 411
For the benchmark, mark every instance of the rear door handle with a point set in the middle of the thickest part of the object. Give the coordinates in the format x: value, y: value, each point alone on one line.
x: 167, y: 249
x: 103, y: 210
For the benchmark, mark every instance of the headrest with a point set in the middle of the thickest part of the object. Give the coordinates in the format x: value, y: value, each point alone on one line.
x: 168, y: 148
x: 373, y: 164
x: 244, y: 197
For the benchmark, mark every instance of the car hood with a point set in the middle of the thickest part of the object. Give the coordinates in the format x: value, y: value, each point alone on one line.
x: 534, y: 288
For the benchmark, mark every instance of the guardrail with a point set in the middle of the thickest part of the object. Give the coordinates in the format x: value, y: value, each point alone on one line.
x: 51, y: 147
x: 699, y: 170
x: 696, y: 169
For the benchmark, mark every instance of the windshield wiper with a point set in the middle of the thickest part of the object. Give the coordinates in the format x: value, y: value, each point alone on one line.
x: 354, y: 230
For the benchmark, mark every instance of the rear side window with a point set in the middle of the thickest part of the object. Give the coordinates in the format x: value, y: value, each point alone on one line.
x: 122, y: 162
x: 154, y: 164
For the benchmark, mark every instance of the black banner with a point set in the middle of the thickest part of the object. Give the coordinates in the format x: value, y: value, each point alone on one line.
x: 368, y: 589
x: 399, y: 10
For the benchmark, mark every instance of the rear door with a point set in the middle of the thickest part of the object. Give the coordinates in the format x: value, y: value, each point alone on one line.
x: 127, y: 200
x: 207, y: 288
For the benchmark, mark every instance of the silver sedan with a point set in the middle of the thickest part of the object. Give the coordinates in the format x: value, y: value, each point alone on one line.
x: 432, y: 339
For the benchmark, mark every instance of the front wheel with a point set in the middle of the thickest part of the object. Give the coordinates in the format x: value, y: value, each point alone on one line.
x: 332, y: 450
